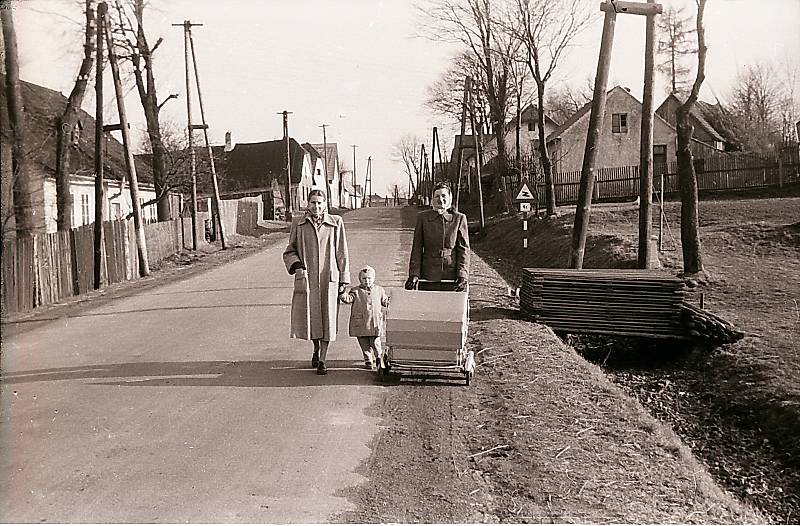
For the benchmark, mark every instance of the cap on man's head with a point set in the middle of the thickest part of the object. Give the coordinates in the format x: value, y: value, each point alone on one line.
x: 366, y: 270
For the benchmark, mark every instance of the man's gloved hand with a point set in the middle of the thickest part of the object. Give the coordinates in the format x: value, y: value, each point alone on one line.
x: 295, y: 267
x: 411, y: 282
x: 460, y: 285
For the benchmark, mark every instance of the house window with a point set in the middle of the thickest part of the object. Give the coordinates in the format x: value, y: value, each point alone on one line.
x: 531, y: 126
x: 116, y: 208
x: 84, y: 209
x: 619, y: 123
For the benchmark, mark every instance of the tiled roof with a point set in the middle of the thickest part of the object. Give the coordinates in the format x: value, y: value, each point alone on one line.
x: 42, y: 107
x: 333, y: 155
x: 698, y: 113
x: 249, y: 166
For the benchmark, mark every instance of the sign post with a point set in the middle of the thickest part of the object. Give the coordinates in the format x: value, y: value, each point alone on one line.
x: 523, y: 197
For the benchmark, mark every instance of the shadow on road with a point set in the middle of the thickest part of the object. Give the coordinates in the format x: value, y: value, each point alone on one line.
x: 279, y: 373
x: 156, y: 309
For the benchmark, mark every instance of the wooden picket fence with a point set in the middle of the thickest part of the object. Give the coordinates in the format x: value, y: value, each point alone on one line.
x: 714, y: 174
x: 48, y: 268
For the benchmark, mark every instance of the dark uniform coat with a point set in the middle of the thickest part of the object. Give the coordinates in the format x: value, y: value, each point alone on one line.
x: 323, y: 252
x: 441, y: 246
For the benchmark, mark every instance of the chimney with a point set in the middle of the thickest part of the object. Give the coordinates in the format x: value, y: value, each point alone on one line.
x: 228, y: 144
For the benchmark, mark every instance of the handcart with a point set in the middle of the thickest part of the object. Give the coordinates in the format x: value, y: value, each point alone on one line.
x: 426, y: 334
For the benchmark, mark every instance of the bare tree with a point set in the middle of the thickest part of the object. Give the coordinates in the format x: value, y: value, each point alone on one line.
x: 759, y: 104
x: 176, y: 158
x: 140, y: 54
x: 687, y: 178
x: 676, y: 41
x: 66, y: 122
x: 407, y: 150
x: 478, y: 26
x: 27, y: 183
x: 563, y: 102
x: 546, y: 29
x: 445, y: 95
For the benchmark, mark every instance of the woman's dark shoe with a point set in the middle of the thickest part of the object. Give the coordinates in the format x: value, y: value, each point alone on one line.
x: 321, y: 369
x: 315, y: 359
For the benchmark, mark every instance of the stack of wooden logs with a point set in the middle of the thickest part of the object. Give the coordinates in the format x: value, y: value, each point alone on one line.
x: 703, y: 325
x: 642, y: 303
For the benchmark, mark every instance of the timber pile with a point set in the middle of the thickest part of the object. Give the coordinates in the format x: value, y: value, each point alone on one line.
x: 703, y: 325
x: 644, y: 303
x: 605, y: 301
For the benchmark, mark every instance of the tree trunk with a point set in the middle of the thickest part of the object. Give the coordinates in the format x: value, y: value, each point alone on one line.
x: 687, y: 181
x: 159, y: 160
x: 146, y: 86
x: 687, y: 178
x: 547, y: 165
x: 28, y: 185
x: 499, y: 130
x: 66, y: 124
x: 6, y: 168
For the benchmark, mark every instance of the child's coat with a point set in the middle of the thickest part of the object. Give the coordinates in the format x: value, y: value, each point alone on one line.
x: 366, y: 317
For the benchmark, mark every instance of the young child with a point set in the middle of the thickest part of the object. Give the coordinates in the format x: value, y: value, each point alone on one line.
x: 366, y: 316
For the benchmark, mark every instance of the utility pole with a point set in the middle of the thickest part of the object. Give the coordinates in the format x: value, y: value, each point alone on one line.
x: 141, y: 243
x: 581, y: 226
x: 325, y: 164
x: 420, y: 180
x: 646, y: 150
x: 433, y: 156
x: 354, y: 173
x: 478, y: 162
x: 368, y: 182
x: 190, y: 134
x: 204, y: 126
x: 216, y: 210
x: 98, y: 150
x: 467, y: 82
x: 288, y: 200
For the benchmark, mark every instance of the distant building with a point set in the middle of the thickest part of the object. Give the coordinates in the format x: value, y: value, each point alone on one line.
x: 703, y: 130
x: 334, y: 178
x: 620, y: 135
x: 258, y: 170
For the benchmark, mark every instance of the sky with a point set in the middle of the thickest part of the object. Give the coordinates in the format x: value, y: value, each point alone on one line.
x: 359, y: 66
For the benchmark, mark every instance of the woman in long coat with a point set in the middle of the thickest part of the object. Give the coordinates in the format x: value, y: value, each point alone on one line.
x: 440, y: 250
x: 317, y: 256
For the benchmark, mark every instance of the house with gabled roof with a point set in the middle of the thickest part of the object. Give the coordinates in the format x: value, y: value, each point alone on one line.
x: 258, y: 170
x: 703, y: 130
x: 42, y: 108
x: 332, y: 164
x: 619, y: 140
x: 529, y: 134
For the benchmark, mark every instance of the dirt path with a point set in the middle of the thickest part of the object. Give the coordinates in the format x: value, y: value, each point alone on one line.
x: 540, y: 436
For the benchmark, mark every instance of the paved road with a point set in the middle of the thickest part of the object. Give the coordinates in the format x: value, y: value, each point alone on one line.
x: 189, y: 402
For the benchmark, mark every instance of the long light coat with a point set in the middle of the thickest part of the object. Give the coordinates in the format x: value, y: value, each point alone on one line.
x: 323, y: 252
x: 366, y: 312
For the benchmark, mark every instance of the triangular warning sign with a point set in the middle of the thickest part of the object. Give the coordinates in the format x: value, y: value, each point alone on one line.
x: 523, y: 192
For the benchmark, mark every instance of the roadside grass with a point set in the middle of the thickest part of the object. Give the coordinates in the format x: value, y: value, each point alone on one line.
x: 737, y: 407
